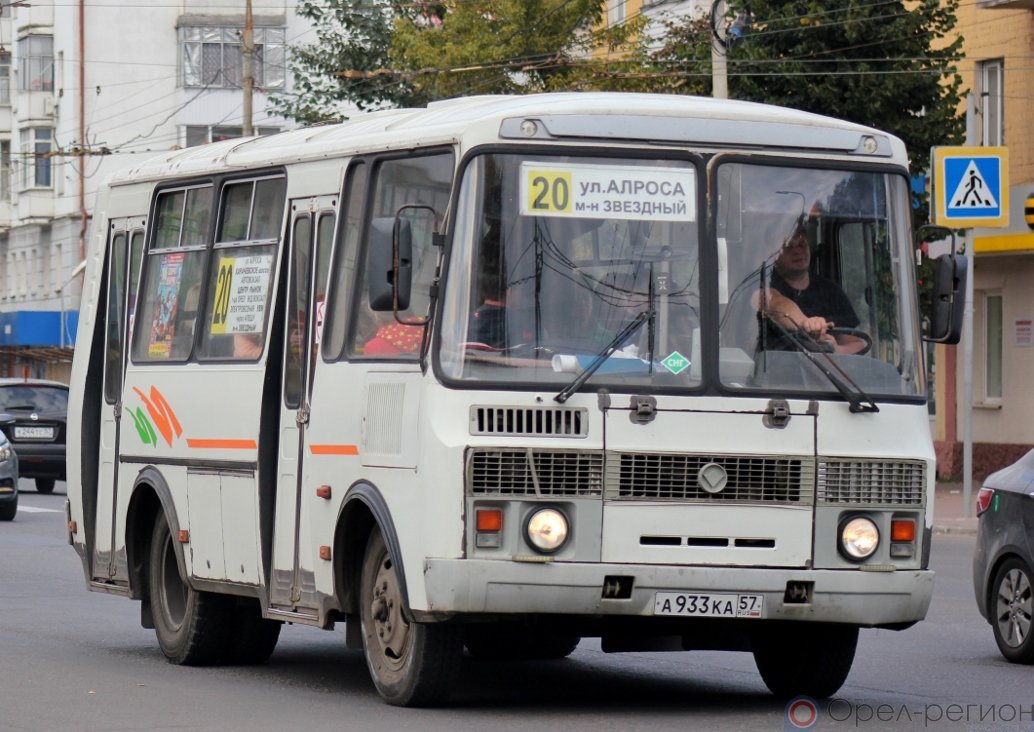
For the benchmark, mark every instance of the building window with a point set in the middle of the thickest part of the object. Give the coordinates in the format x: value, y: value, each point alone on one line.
x: 5, y: 170
x: 36, y: 63
x: 203, y: 134
x: 212, y: 57
x: 992, y: 348
x: 5, y: 78
x: 992, y: 102
x: 616, y: 12
x: 37, y: 144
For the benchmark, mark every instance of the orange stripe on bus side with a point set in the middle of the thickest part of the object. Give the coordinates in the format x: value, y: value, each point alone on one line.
x: 334, y: 449
x: 222, y: 444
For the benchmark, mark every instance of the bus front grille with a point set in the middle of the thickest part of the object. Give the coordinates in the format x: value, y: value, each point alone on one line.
x: 768, y: 480
x: 529, y: 421
x: 528, y: 472
x: 871, y: 482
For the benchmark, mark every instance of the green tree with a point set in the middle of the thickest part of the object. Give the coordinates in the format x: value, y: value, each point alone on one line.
x: 382, y: 54
x: 343, y: 65
x: 887, y: 64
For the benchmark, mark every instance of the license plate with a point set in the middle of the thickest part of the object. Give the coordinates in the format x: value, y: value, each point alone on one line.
x: 34, y: 433
x: 708, y: 605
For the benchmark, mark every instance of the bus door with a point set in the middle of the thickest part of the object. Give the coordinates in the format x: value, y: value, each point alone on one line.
x: 312, y: 232
x: 125, y: 246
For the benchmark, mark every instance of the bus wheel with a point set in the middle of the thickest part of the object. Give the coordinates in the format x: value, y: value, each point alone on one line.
x: 192, y: 627
x: 411, y: 664
x: 252, y: 638
x: 516, y: 642
x: 804, y: 658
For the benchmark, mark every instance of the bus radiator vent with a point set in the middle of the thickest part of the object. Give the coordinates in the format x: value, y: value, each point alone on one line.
x: 529, y: 421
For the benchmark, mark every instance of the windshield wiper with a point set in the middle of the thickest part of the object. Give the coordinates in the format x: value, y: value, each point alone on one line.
x: 857, y: 399
x: 601, y: 357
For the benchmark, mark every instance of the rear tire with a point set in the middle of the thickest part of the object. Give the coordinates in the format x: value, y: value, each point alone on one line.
x: 411, y: 664
x: 8, y: 510
x: 193, y: 628
x: 1011, y: 608
x: 805, y: 658
x: 45, y: 485
x: 516, y: 642
x: 252, y: 637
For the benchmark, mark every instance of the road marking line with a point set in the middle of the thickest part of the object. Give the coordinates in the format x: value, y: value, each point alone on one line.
x: 33, y: 509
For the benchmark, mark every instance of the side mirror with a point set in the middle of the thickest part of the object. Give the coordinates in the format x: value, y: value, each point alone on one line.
x: 389, y: 277
x: 949, y: 298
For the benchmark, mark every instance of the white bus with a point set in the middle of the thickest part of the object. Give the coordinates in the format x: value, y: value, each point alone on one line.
x: 507, y: 372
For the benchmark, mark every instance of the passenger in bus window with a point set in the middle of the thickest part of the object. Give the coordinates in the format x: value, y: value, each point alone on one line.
x: 393, y: 338
x: 247, y: 345
x: 801, y: 300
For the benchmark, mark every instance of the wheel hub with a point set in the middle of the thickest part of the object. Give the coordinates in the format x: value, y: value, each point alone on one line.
x: 390, y: 628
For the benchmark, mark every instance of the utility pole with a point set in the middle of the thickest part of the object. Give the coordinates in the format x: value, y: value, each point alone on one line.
x: 719, y: 71
x: 247, y: 56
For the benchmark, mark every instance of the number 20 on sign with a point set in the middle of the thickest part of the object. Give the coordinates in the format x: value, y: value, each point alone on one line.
x: 548, y: 191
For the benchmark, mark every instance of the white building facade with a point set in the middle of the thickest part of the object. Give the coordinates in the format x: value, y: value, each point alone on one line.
x: 89, y: 87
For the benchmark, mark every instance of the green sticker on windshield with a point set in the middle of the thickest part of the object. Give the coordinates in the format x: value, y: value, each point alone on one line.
x: 676, y: 363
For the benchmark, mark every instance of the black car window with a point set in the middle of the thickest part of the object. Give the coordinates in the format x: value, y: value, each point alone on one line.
x: 36, y: 398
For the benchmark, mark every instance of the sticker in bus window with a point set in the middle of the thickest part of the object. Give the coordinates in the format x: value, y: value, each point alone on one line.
x: 633, y: 192
x: 240, y: 294
x: 166, y: 296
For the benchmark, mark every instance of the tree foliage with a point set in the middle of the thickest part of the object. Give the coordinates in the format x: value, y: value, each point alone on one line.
x: 379, y: 53
x: 886, y: 64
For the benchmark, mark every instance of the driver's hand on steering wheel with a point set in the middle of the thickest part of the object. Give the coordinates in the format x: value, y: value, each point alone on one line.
x: 816, y: 327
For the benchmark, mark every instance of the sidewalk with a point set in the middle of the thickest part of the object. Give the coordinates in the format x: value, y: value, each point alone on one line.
x: 949, y: 510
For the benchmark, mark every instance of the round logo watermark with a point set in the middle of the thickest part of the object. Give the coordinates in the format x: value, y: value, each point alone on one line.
x: 801, y: 713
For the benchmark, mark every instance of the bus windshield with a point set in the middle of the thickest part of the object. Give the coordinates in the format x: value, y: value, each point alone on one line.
x: 815, y: 276
x: 555, y: 256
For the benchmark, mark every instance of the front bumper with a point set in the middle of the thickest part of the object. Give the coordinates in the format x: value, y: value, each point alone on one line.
x: 851, y: 596
x: 41, y: 460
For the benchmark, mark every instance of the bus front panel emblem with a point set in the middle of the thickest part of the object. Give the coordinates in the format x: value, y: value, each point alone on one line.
x: 712, y: 478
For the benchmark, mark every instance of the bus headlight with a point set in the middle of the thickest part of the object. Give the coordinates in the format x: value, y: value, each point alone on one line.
x: 546, y: 530
x: 859, y: 538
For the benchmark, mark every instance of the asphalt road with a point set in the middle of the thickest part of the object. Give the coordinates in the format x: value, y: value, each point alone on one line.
x: 75, y: 660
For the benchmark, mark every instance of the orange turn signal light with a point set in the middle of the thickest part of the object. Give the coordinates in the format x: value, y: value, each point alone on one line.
x: 903, y: 530
x: 490, y: 519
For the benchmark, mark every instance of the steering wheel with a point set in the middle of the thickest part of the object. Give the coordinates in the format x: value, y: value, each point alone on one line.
x: 856, y: 333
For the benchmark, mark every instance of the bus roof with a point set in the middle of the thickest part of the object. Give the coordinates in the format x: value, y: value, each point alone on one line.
x: 614, y: 117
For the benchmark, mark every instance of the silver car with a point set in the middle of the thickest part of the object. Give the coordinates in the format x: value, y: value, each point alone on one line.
x: 8, y: 480
x: 1002, y: 575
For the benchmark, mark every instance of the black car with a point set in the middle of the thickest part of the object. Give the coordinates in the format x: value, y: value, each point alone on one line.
x: 1002, y: 562
x: 36, y: 412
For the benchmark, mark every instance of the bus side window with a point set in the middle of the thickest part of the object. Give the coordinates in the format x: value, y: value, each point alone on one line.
x: 425, y: 180
x: 343, y: 264
x: 239, y: 279
x: 175, y: 260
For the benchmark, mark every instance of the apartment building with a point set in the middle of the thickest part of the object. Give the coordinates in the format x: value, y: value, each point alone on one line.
x: 88, y: 87
x: 999, y: 48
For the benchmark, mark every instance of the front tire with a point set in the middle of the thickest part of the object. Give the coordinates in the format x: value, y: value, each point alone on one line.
x: 9, y: 510
x: 192, y: 627
x: 1012, y: 606
x: 804, y: 658
x: 411, y: 664
x: 45, y: 485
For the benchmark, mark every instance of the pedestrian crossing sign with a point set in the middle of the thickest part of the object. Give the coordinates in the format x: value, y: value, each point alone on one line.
x: 971, y: 187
